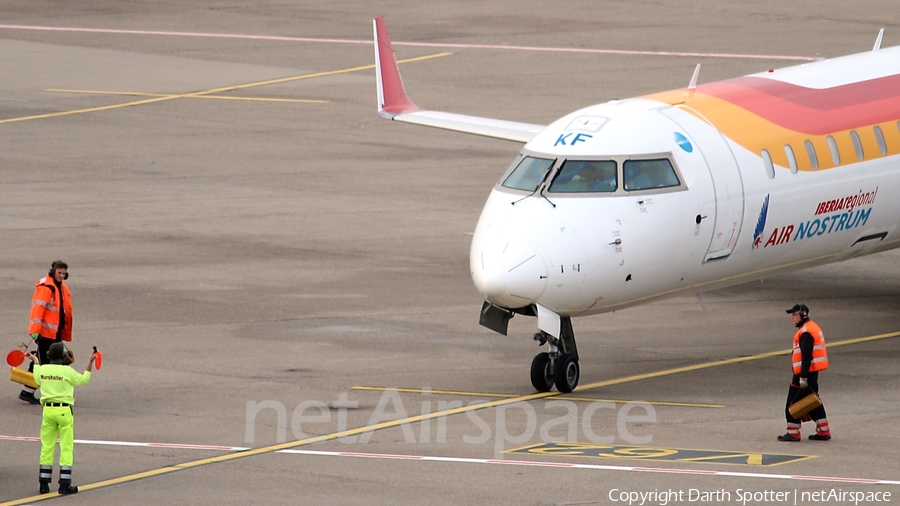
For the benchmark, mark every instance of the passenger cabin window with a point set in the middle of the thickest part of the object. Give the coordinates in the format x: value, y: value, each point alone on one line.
x: 857, y: 145
x: 770, y: 167
x: 528, y: 174
x: 835, y: 154
x: 585, y: 176
x: 792, y: 160
x: 879, y: 136
x: 648, y: 174
x: 811, y: 152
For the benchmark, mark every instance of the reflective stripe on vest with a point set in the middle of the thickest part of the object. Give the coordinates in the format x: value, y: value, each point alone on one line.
x: 45, y: 310
x: 819, y: 355
x: 48, y: 305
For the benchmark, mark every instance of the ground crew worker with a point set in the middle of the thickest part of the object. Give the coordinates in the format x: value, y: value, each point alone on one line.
x: 808, y: 358
x: 57, y: 382
x: 51, y: 316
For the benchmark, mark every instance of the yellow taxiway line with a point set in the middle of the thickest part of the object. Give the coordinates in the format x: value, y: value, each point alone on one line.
x: 419, y: 418
x: 718, y: 363
x: 566, y: 397
x: 205, y: 93
x: 285, y: 446
x: 216, y: 97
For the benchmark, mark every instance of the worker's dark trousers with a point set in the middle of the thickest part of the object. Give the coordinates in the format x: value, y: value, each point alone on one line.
x: 795, y: 393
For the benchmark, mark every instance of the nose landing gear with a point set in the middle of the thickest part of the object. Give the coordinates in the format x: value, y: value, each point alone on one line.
x: 542, y: 377
x: 559, y: 366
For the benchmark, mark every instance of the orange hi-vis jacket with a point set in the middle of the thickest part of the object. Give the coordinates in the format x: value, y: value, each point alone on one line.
x: 819, y: 356
x: 45, y: 309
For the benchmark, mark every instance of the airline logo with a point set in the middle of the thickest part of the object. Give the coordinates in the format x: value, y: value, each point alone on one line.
x: 843, y: 213
x: 683, y: 142
x: 761, y: 223
x: 848, y: 203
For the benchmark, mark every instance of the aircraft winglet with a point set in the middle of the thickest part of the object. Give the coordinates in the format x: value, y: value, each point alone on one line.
x: 394, y: 104
x: 392, y: 98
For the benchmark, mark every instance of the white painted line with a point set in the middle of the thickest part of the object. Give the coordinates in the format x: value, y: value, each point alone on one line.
x: 416, y: 44
x: 462, y: 460
x: 663, y: 470
x: 132, y: 443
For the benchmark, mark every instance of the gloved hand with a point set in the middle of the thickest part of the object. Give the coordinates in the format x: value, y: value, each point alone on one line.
x: 803, y: 383
x: 35, y: 336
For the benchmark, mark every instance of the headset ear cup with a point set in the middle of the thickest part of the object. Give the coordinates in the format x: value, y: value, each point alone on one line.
x: 52, y: 273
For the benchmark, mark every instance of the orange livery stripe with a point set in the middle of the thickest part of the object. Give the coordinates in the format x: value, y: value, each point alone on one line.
x: 812, y: 111
x: 759, y: 113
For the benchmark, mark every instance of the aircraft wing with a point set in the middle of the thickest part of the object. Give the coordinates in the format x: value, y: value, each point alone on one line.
x: 393, y: 103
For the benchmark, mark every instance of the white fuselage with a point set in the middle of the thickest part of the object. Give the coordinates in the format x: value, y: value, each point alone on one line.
x: 678, y: 192
x: 730, y: 222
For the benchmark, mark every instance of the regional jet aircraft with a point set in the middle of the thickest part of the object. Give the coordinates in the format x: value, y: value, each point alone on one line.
x: 679, y: 192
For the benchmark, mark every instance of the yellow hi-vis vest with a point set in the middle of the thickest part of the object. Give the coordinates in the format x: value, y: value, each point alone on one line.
x: 819, y: 355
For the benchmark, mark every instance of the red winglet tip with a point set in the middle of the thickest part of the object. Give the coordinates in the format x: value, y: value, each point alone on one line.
x: 393, y: 94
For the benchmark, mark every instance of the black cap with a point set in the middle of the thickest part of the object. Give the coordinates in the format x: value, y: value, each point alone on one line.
x: 798, y: 307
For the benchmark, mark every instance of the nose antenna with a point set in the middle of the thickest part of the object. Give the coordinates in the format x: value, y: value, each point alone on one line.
x: 878, y: 40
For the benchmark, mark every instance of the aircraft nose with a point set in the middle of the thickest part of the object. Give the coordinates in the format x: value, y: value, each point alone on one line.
x: 509, y: 274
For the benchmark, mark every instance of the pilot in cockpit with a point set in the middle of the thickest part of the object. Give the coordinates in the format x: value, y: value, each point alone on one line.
x: 648, y: 174
x: 587, y: 176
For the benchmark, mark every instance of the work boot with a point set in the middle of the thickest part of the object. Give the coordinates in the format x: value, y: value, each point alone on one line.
x: 28, y: 397
x: 45, y: 477
x: 788, y: 437
x: 65, y: 480
x: 67, y: 489
x: 823, y: 431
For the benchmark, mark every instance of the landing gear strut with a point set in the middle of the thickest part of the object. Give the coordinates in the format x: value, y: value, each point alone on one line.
x: 560, y: 366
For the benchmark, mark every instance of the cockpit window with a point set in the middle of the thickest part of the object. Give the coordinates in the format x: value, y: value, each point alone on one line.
x: 585, y: 176
x: 512, y: 166
x: 528, y: 174
x: 649, y: 174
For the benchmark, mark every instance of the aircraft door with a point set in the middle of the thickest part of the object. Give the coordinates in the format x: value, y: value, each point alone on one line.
x: 726, y: 176
x: 606, y: 269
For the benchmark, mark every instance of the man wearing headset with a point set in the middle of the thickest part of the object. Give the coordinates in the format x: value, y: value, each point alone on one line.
x: 808, y: 358
x: 58, y: 382
x: 51, y: 316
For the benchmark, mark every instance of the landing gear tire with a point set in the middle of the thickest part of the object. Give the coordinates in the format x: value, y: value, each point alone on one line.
x: 566, y: 373
x: 542, y: 372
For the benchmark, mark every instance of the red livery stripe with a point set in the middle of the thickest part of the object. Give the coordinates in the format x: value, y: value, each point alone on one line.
x: 812, y: 111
